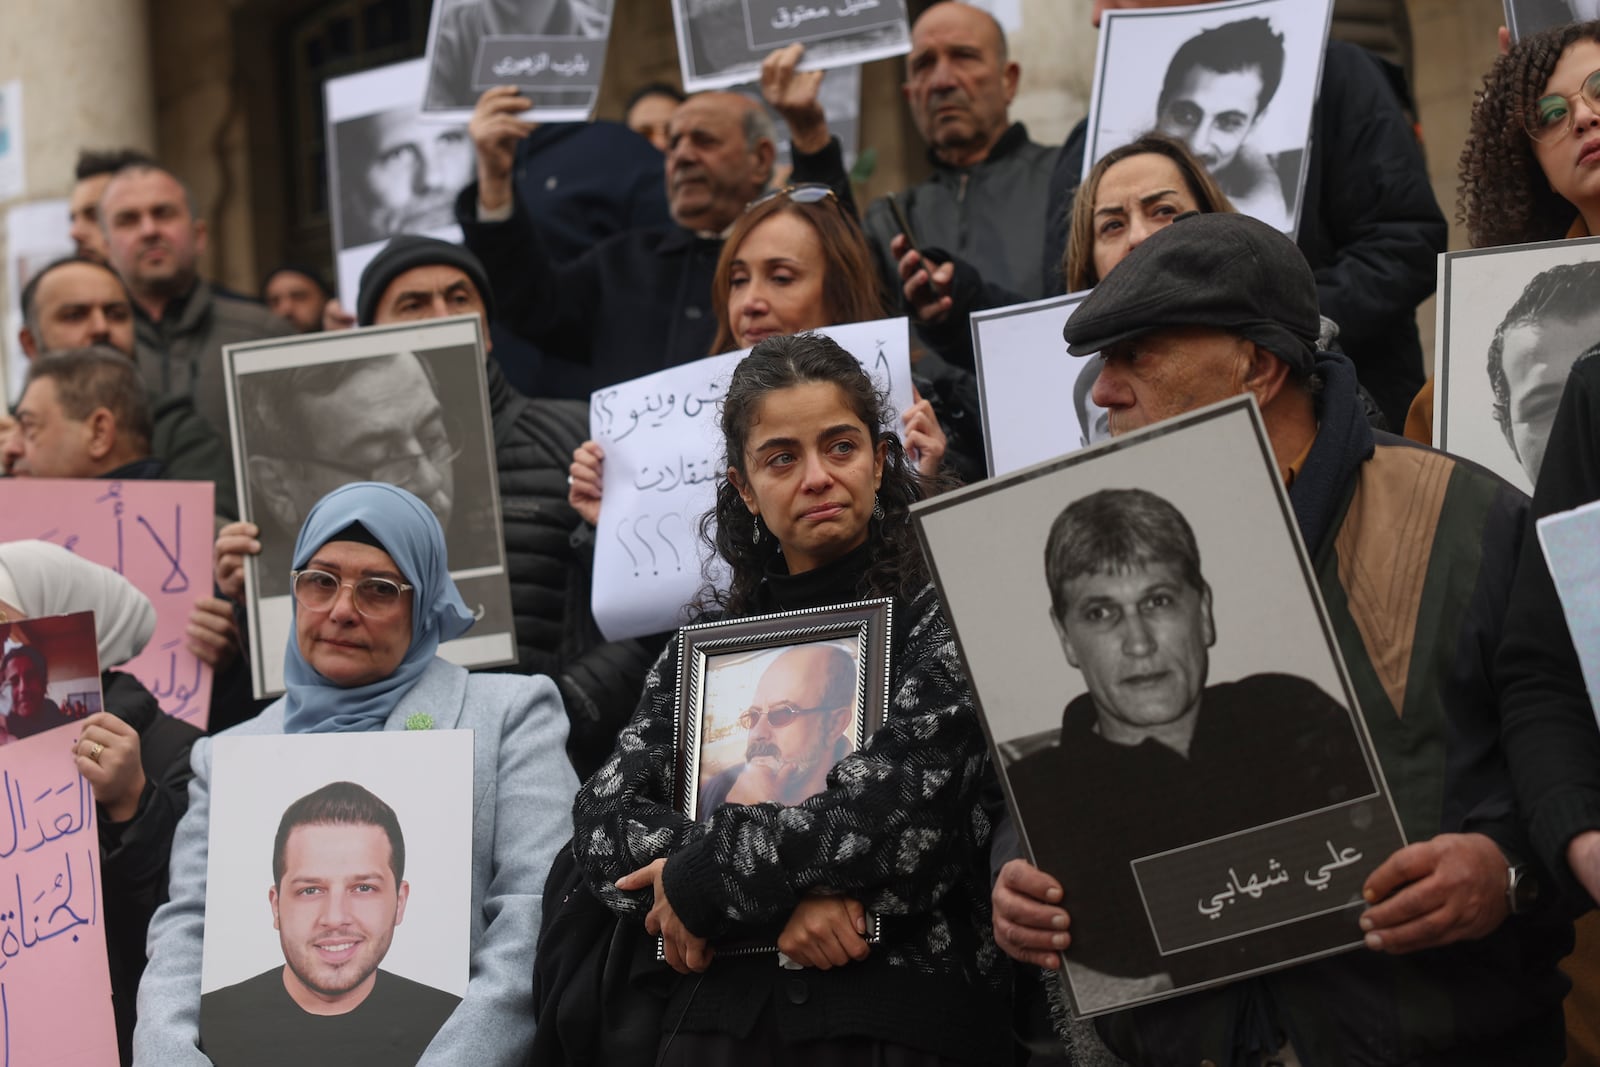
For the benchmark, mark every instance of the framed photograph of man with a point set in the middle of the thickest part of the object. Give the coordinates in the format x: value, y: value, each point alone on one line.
x: 338, y: 895
x: 767, y: 706
x: 1238, y: 83
x: 390, y: 169
x: 1173, y: 724
x: 1511, y: 323
x: 721, y: 43
x: 1533, y: 16
x: 552, y: 51
x: 405, y: 404
x: 1023, y: 374
x: 49, y: 672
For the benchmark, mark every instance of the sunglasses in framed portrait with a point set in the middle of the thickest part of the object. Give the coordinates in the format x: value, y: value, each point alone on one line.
x: 767, y: 706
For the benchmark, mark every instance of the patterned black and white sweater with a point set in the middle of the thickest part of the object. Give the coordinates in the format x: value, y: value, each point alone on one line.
x: 899, y: 829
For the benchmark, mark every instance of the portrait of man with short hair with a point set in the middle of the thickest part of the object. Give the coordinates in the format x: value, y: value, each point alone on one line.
x: 798, y: 722
x: 398, y: 174
x: 1155, y: 756
x: 1217, y: 86
x: 462, y: 28
x: 1555, y: 320
x: 337, y: 899
x: 401, y: 418
x: 1237, y: 84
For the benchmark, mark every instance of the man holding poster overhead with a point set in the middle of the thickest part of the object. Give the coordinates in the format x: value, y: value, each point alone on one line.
x: 1414, y: 553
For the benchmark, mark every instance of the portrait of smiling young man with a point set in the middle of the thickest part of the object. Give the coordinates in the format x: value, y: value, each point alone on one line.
x: 337, y: 897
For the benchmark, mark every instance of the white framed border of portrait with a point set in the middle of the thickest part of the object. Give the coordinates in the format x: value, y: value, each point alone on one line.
x: 254, y: 778
x: 1182, y: 23
x: 1477, y: 288
x: 1017, y: 667
x: 821, y: 55
x: 270, y: 616
x: 868, y: 624
x: 1021, y: 381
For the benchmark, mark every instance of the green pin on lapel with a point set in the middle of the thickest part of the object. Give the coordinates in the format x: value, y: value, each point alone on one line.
x: 420, y: 720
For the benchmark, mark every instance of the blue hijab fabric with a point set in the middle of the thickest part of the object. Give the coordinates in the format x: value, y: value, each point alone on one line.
x: 410, y: 533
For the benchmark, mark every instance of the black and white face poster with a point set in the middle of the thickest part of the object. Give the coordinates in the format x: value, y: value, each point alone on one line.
x: 553, y: 51
x: 1167, y: 705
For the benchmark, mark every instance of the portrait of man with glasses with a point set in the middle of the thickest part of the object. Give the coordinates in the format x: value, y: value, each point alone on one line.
x: 391, y: 418
x: 794, y: 728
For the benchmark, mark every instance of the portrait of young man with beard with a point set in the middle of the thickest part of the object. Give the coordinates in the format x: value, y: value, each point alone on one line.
x: 338, y: 893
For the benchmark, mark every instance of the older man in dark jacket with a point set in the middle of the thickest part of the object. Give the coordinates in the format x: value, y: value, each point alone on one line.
x: 1414, y: 552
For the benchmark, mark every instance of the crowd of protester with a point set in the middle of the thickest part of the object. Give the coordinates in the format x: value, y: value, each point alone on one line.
x: 1440, y: 600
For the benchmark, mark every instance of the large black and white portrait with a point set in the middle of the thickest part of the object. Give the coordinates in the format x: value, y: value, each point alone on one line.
x: 390, y: 170
x: 407, y: 405
x: 1235, y: 81
x: 721, y: 43
x: 1532, y: 16
x: 1512, y: 322
x: 1168, y: 709
x: 1025, y: 380
x: 553, y: 51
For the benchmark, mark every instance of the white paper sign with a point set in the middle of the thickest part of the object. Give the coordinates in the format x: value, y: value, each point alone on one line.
x: 1568, y: 539
x: 13, y: 177
x: 1035, y: 397
x: 663, y: 449
x: 36, y: 234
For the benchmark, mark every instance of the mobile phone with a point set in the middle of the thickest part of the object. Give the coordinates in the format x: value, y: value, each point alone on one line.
x: 902, y: 220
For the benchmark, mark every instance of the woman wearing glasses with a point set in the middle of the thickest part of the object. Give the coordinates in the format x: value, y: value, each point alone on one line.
x: 1531, y: 172
x: 373, y: 600
x: 793, y: 262
x: 813, y: 512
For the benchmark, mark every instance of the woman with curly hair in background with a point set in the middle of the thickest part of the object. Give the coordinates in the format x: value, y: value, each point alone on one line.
x: 1530, y: 170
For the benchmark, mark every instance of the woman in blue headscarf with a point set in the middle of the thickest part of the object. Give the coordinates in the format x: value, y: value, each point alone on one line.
x: 373, y: 599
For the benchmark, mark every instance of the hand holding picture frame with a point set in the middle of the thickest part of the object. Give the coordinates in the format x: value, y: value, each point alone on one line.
x: 767, y: 706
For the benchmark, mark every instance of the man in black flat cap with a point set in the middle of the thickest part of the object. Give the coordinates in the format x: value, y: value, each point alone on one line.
x: 1414, y: 553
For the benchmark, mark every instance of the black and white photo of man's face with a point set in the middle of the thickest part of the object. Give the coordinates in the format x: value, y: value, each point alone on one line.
x: 1140, y: 635
x: 414, y: 171
x: 1536, y: 357
x: 384, y: 422
x: 1213, y: 112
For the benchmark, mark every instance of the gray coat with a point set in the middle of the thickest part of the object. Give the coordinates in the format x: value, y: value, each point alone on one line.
x: 521, y: 813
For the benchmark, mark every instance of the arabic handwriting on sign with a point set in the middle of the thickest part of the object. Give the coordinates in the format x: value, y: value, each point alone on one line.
x: 66, y: 822
x: 176, y: 580
x: 63, y: 913
x: 789, y: 18
x: 670, y: 476
x: 173, y: 695
x: 1341, y: 858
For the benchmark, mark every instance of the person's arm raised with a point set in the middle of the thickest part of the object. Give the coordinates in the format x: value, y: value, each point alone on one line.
x: 495, y: 130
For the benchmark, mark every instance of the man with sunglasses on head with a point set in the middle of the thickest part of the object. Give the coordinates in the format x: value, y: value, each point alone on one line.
x: 640, y: 301
x: 797, y: 729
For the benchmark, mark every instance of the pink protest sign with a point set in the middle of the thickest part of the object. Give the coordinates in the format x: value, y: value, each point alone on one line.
x: 55, y: 980
x: 158, y: 535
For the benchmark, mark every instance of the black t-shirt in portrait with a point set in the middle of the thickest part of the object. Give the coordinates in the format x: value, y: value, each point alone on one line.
x: 257, y: 1023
